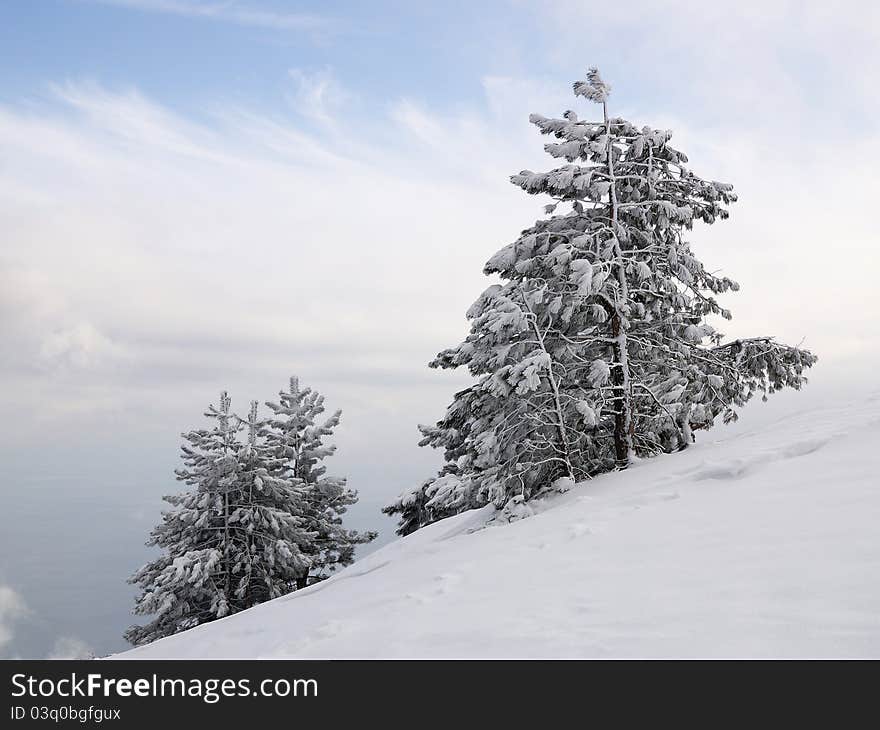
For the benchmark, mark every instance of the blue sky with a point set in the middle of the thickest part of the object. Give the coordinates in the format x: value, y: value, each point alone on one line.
x: 185, y: 52
x: 208, y: 194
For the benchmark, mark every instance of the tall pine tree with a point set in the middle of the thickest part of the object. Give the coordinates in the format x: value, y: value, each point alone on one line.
x: 595, y: 349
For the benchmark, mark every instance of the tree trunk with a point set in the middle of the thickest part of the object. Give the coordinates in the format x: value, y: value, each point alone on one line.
x: 302, y: 580
x: 622, y: 440
x: 623, y: 423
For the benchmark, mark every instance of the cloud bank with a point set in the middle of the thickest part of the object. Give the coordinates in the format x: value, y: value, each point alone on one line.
x: 147, y: 254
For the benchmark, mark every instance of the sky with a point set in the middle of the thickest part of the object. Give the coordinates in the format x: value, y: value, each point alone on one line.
x: 212, y: 194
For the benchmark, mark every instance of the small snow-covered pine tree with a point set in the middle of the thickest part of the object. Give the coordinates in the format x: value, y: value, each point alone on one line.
x: 237, y: 538
x: 296, y: 438
x: 595, y: 349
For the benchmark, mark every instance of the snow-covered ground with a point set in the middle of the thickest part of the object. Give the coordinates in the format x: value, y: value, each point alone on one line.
x: 764, y: 542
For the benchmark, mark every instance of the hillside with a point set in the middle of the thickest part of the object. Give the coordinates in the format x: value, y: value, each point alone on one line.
x: 760, y: 543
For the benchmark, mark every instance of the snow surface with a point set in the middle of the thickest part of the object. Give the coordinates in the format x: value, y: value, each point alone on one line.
x: 763, y: 543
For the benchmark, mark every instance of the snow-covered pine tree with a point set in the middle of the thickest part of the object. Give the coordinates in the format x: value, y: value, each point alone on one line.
x: 272, y: 515
x: 235, y: 539
x: 595, y: 349
x: 297, y: 441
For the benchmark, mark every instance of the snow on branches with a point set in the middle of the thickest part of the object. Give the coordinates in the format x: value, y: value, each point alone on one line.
x: 595, y: 349
x: 260, y: 518
x: 295, y: 435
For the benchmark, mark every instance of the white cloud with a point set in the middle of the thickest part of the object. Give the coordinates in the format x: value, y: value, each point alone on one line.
x: 79, y: 346
x: 319, y: 95
x: 68, y: 647
x: 12, y: 608
x: 227, y: 12
x: 151, y: 257
x: 756, y: 64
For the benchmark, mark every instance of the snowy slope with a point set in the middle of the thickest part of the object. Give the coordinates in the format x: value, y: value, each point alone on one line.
x: 763, y: 543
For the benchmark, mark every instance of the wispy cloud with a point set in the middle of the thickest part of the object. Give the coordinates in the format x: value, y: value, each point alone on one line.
x: 319, y: 95
x: 227, y: 12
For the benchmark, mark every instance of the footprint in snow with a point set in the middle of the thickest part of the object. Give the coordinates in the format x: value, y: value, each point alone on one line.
x: 446, y: 582
x: 738, y: 468
x: 329, y: 629
x: 804, y: 447
x: 443, y: 583
x: 649, y: 499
